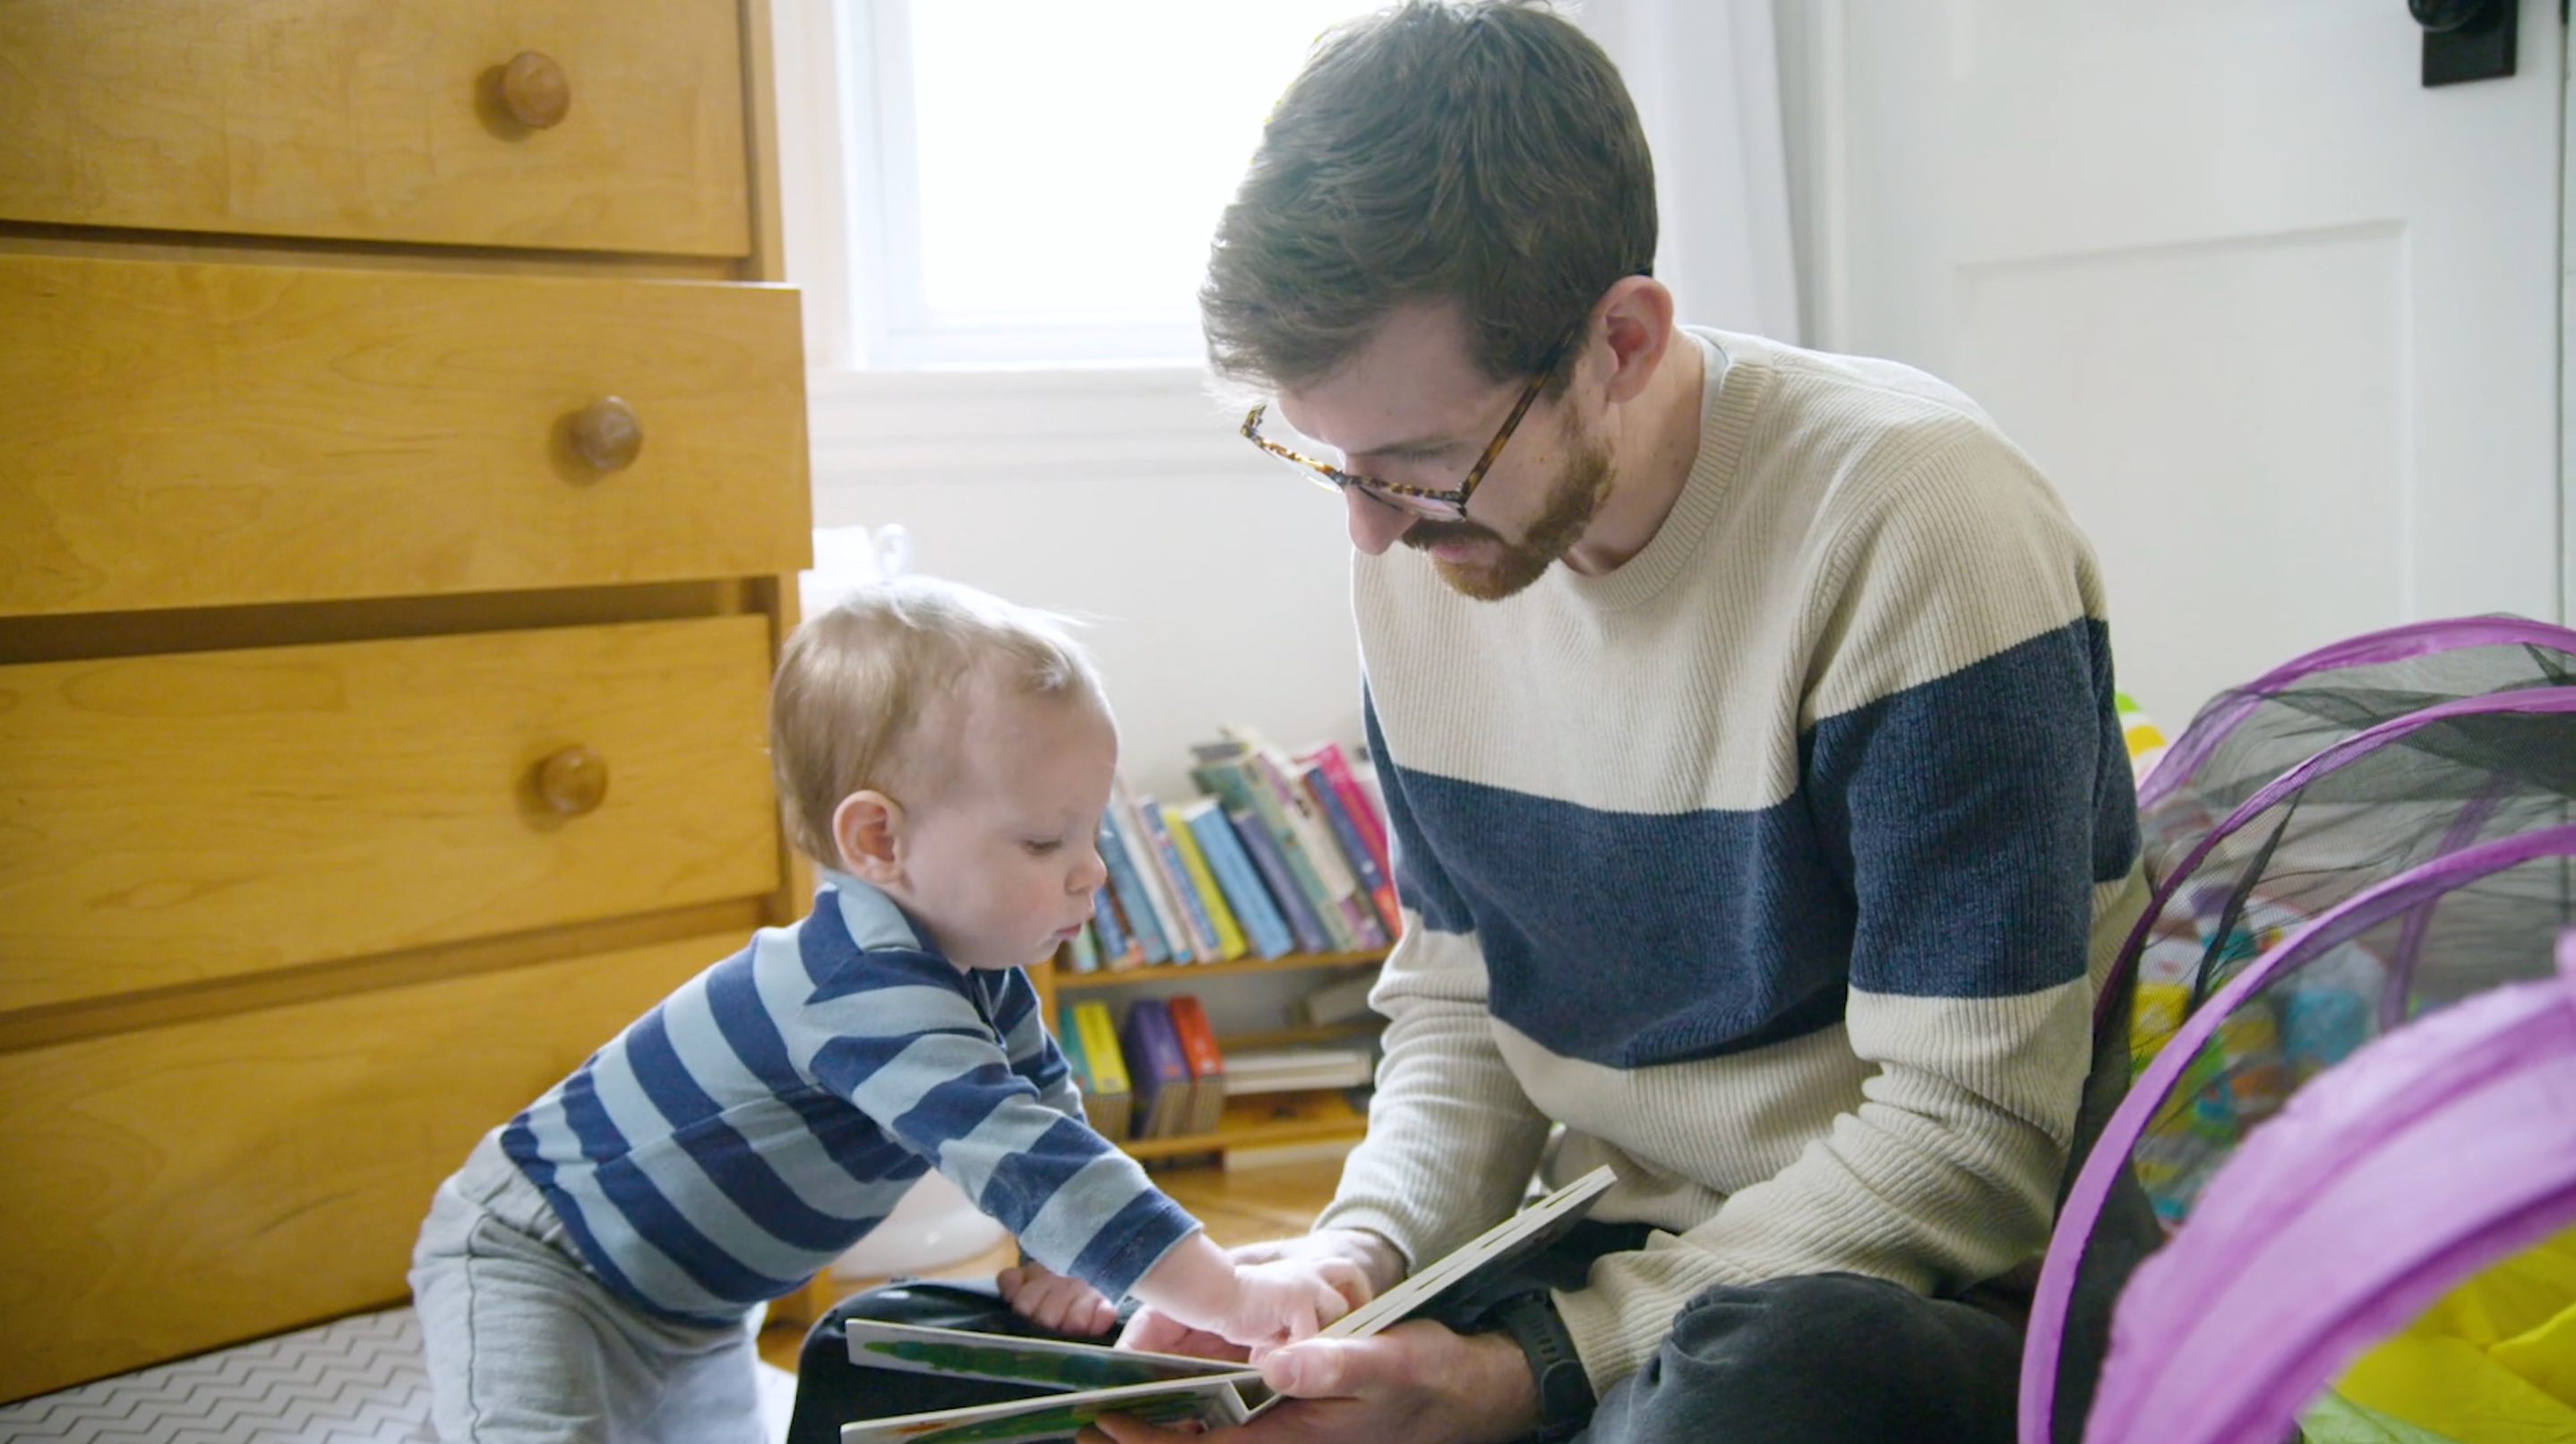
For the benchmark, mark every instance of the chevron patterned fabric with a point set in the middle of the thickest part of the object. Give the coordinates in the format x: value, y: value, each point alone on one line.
x: 355, y: 1381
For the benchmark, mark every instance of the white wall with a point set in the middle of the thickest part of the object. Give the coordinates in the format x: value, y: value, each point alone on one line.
x: 2222, y: 270
x: 1218, y: 583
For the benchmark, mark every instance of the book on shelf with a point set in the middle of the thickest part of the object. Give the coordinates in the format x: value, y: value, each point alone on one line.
x: 1340, y: 1001
x: 1156, y: 1069
x: 1083, y: 953
x: 1309, y: 1111
x: 1206, y: 1062
x: 1264, y: 782
x: 1117, y: 949
x: 1332, y: 869
x: 1293, y: 903
x: 1251, y: 1071
x: 1375, y: 886
x: 1265, y: 929
x: 1127, y: 889
x: 1089, y: 1380
x: 1330, y: 864
x: 1231, y: 943
x: 1238, y: 784
x: 1129, y: 823
x: 1366, y: 809
x: 1068, y: 1041
x: 1207, y: 945
x: 1107, y: 1095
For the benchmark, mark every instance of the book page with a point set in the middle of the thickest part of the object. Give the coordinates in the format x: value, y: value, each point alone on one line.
x: 1010, y: 1359
x: 1166, y: 1394
x: 1517, y: 1237
x: 1209, y: 1403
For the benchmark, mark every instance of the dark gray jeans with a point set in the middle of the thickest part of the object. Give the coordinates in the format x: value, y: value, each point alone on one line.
x: 1829, y: 1359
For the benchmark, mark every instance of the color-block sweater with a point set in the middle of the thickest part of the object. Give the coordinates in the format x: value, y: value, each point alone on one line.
x: 1779, y: 864
x: 763, y: 1118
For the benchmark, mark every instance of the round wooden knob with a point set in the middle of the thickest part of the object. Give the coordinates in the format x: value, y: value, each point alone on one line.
x: 535, y: 90
x: 573, y: 781
x: 608, y: 434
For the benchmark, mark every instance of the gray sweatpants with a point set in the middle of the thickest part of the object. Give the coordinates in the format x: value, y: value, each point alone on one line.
x: 526, y: 1345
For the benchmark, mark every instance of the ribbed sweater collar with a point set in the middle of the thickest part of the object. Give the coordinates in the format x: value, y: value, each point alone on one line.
x: 1734, y: 383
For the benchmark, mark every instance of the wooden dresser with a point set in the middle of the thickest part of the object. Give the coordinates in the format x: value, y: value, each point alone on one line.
x: 402, y: 474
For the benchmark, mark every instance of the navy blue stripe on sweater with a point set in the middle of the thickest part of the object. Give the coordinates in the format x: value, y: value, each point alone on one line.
x: 732, y: 1164
x: 1942, y: 842
x: 519, y: 1142
x: 733, y: 998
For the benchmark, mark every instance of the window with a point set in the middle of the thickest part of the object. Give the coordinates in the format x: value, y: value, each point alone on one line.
x: 1031, y: 182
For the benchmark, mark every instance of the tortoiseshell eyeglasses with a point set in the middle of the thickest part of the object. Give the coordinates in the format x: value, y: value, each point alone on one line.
x: 1423, y: 501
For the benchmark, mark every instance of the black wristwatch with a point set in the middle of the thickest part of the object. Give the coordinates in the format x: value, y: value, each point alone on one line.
x: 1564, y: 1391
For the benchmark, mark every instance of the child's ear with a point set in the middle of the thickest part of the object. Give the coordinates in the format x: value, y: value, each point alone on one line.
x: 868, y: 829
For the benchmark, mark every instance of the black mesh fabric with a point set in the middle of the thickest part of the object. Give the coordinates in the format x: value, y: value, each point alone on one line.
x: 2423, y: 790
x: 2245, y: 737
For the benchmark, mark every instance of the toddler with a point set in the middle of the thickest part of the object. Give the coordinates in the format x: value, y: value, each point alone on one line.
x: 591, y: 1270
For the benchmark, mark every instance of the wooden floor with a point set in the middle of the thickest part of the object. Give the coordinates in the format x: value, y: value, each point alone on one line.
x: 1238, y: 1206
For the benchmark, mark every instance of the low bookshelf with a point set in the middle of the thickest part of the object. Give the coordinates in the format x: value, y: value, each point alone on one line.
x: 1260, y: 1120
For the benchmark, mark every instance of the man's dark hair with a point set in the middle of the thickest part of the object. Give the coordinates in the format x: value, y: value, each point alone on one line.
x: 1484, y: 153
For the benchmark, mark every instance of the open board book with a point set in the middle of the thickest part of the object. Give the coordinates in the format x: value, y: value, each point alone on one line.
x: 1094, y: 1379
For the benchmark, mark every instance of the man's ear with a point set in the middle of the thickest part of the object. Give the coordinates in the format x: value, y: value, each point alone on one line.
x: 867, y: 828
x: 1637, y: 320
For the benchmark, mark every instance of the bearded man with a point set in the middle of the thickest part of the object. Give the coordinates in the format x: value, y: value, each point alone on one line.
x: 1763, y: 825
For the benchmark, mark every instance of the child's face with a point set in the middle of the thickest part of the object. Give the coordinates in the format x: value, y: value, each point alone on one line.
x: 1000, y: 864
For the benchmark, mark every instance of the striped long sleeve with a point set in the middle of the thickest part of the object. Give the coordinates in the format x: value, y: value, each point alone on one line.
x: 768, y: 1114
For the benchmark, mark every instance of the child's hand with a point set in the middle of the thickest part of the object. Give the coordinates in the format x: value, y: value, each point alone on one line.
x: 1051, y: 1301
x: 1284, y: 1300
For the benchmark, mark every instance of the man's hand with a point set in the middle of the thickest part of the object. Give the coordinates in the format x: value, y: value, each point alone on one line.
x: 1051, y: 1301
x: 1360, y: 1265
x: 1416, y: 1382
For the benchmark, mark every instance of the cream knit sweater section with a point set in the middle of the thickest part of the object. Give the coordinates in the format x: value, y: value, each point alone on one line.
x: 1777, y: 865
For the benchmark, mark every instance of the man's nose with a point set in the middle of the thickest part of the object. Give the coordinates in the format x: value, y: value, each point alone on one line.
x: 1375, y: 526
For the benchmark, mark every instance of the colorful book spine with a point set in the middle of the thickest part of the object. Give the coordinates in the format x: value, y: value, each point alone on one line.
x: 1117, y: 949
x: 1134, y: 907
x: 1356, y: 800
x: 1110, y: 1107
x: 1205, y: 942
x: 1206, y: 1060
x: 1129, y: 822
x: 1068, y: 1041
x: 1341, y: 886
x: 1257, y: 844
x: 1158, y: 1074
x: 1263, y: 926
x: 1243, y: 789
x: 1231, y: 943
x: 1082, y: 955
x: 1373, y: 883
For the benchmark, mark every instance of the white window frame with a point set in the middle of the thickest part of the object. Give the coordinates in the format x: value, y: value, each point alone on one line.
x: 872, y: 423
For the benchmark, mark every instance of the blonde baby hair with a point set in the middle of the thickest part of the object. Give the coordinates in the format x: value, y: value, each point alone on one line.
x: 859, y: 687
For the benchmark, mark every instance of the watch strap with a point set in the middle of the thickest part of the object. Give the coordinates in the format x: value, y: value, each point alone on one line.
x: 1564, y: 1388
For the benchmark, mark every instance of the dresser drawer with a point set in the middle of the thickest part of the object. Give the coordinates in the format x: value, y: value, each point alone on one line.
x: 177, y: 1188
x: 381, y: 120
x: 196, y: 435
x: 172, y: 819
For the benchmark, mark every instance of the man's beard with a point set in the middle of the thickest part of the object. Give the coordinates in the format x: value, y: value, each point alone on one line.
x: 1572, y: 499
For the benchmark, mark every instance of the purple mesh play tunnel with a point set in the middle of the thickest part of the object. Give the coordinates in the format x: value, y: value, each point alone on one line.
x: 2431, y: 1152
x: 2339, y: 1006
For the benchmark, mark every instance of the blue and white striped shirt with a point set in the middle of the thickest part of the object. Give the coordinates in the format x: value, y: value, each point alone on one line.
x: 769, y: 1113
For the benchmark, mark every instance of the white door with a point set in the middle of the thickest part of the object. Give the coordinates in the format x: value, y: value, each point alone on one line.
x: 2280, y: 323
